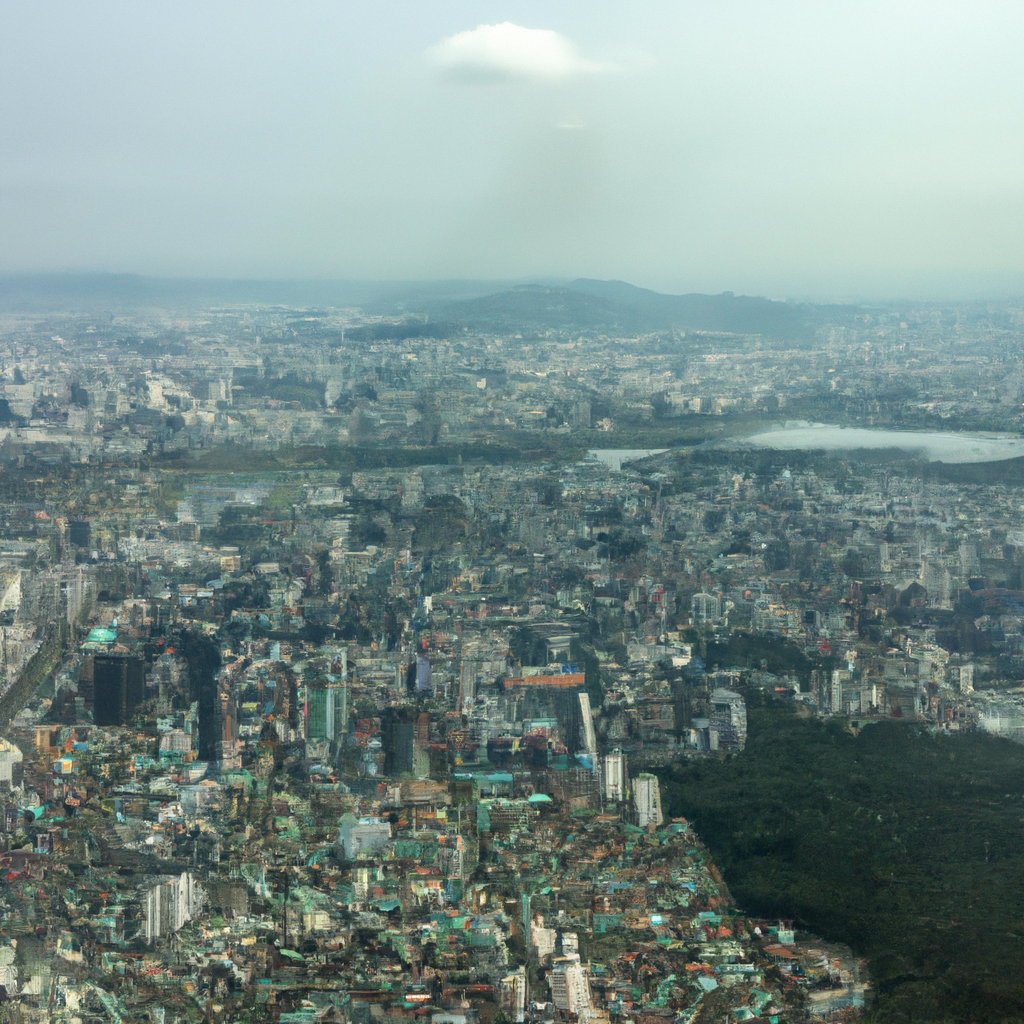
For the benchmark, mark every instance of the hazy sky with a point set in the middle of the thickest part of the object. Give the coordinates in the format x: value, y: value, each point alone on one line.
x: 811, y: 150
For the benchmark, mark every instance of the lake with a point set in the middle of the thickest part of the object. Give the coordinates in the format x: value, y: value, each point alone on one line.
x: 932, y: 446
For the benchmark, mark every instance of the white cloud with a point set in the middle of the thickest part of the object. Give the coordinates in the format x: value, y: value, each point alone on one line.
x: 507, y: 51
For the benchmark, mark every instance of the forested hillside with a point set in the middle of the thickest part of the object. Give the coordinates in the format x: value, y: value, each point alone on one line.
x: 906, y: 845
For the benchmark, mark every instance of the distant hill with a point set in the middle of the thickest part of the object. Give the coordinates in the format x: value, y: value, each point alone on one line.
x: 611, y: 307
x: 606, y: 307
x: 534, y: 309
x: 41, y: 293
x: 732, y: 314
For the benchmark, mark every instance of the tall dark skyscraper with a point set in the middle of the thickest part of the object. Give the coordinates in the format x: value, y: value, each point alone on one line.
x: 119, y: 687
x: 79, y: 532
x: 203, y: 659
x: 398, y: 733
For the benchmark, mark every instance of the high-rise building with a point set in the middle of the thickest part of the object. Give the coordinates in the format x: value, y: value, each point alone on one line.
x: 227, y: 749
x: 587, y: 733
x: 170, y: 905
x: 341, y: 713
x: 327, y: 712
x: 615, y: 776
x: 570, y: 987
x: 512, y: 996
x: 398, y: 736
x: 966, y: 678
x: 450, y: 855
x: 647, y: 800
x: 542, y: 940
x: 729, y: 719
x: 119, y: 685
x: 79, y: 532
x: 423, y: 676
x: 339, y: 678
x: 835, y: 693
x: 705, y: 608
x: 319, y: 713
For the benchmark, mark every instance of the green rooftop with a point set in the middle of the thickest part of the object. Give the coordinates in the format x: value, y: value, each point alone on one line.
x: 101, y: 636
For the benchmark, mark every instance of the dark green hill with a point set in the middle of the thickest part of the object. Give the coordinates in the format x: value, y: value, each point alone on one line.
x: 534, y: 309
x: 614, y: 307
x: 906, y: 845
x: 728, y: 313
x: 605, y: 307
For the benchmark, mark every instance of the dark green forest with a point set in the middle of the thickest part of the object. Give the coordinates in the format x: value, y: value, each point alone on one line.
x: 904, y: 844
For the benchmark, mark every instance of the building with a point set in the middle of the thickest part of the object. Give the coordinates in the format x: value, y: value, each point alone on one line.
x: 835, y: 693
x: 451, y: 855
x: 170, y: 905
x: 570, y: 987
x: 512, y: 996
x: 705, y: 609
x: 542, y: 940
x: 326, y: 712
x: 587, y: 734
x: 119, y: 687
x: 398, y: 736
x: 79, y: 532
x: 966, y: 678
x: 175, y: 741
x: 423, y: 676
x: 560, y: 677
x: 10, y: 755
x: 615, y: 777
x: 362, y: 835
x: 647, y: 800
x: 729, y: 719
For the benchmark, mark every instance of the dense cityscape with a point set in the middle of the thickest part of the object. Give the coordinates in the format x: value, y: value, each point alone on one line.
x: 348, y: 656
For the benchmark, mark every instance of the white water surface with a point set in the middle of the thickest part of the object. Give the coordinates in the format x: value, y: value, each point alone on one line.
x: 932, y: 446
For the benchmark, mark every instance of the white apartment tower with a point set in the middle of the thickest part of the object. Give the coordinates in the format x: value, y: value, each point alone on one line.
x: 647, y: 800
x: 171, y: 905
x: 589, y: 737
x: 570, y: 987
x: 512, y: 996
x: 615, y: 777
x: 966, y: 678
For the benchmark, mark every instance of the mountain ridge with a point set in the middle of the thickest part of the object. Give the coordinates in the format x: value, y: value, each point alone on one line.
x: 584, y: 304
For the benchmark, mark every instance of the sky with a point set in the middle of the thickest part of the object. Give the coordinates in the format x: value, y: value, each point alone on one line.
x: 795, y: 150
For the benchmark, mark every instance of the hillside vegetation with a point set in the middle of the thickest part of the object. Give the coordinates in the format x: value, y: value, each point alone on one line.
x: 906, y: 845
